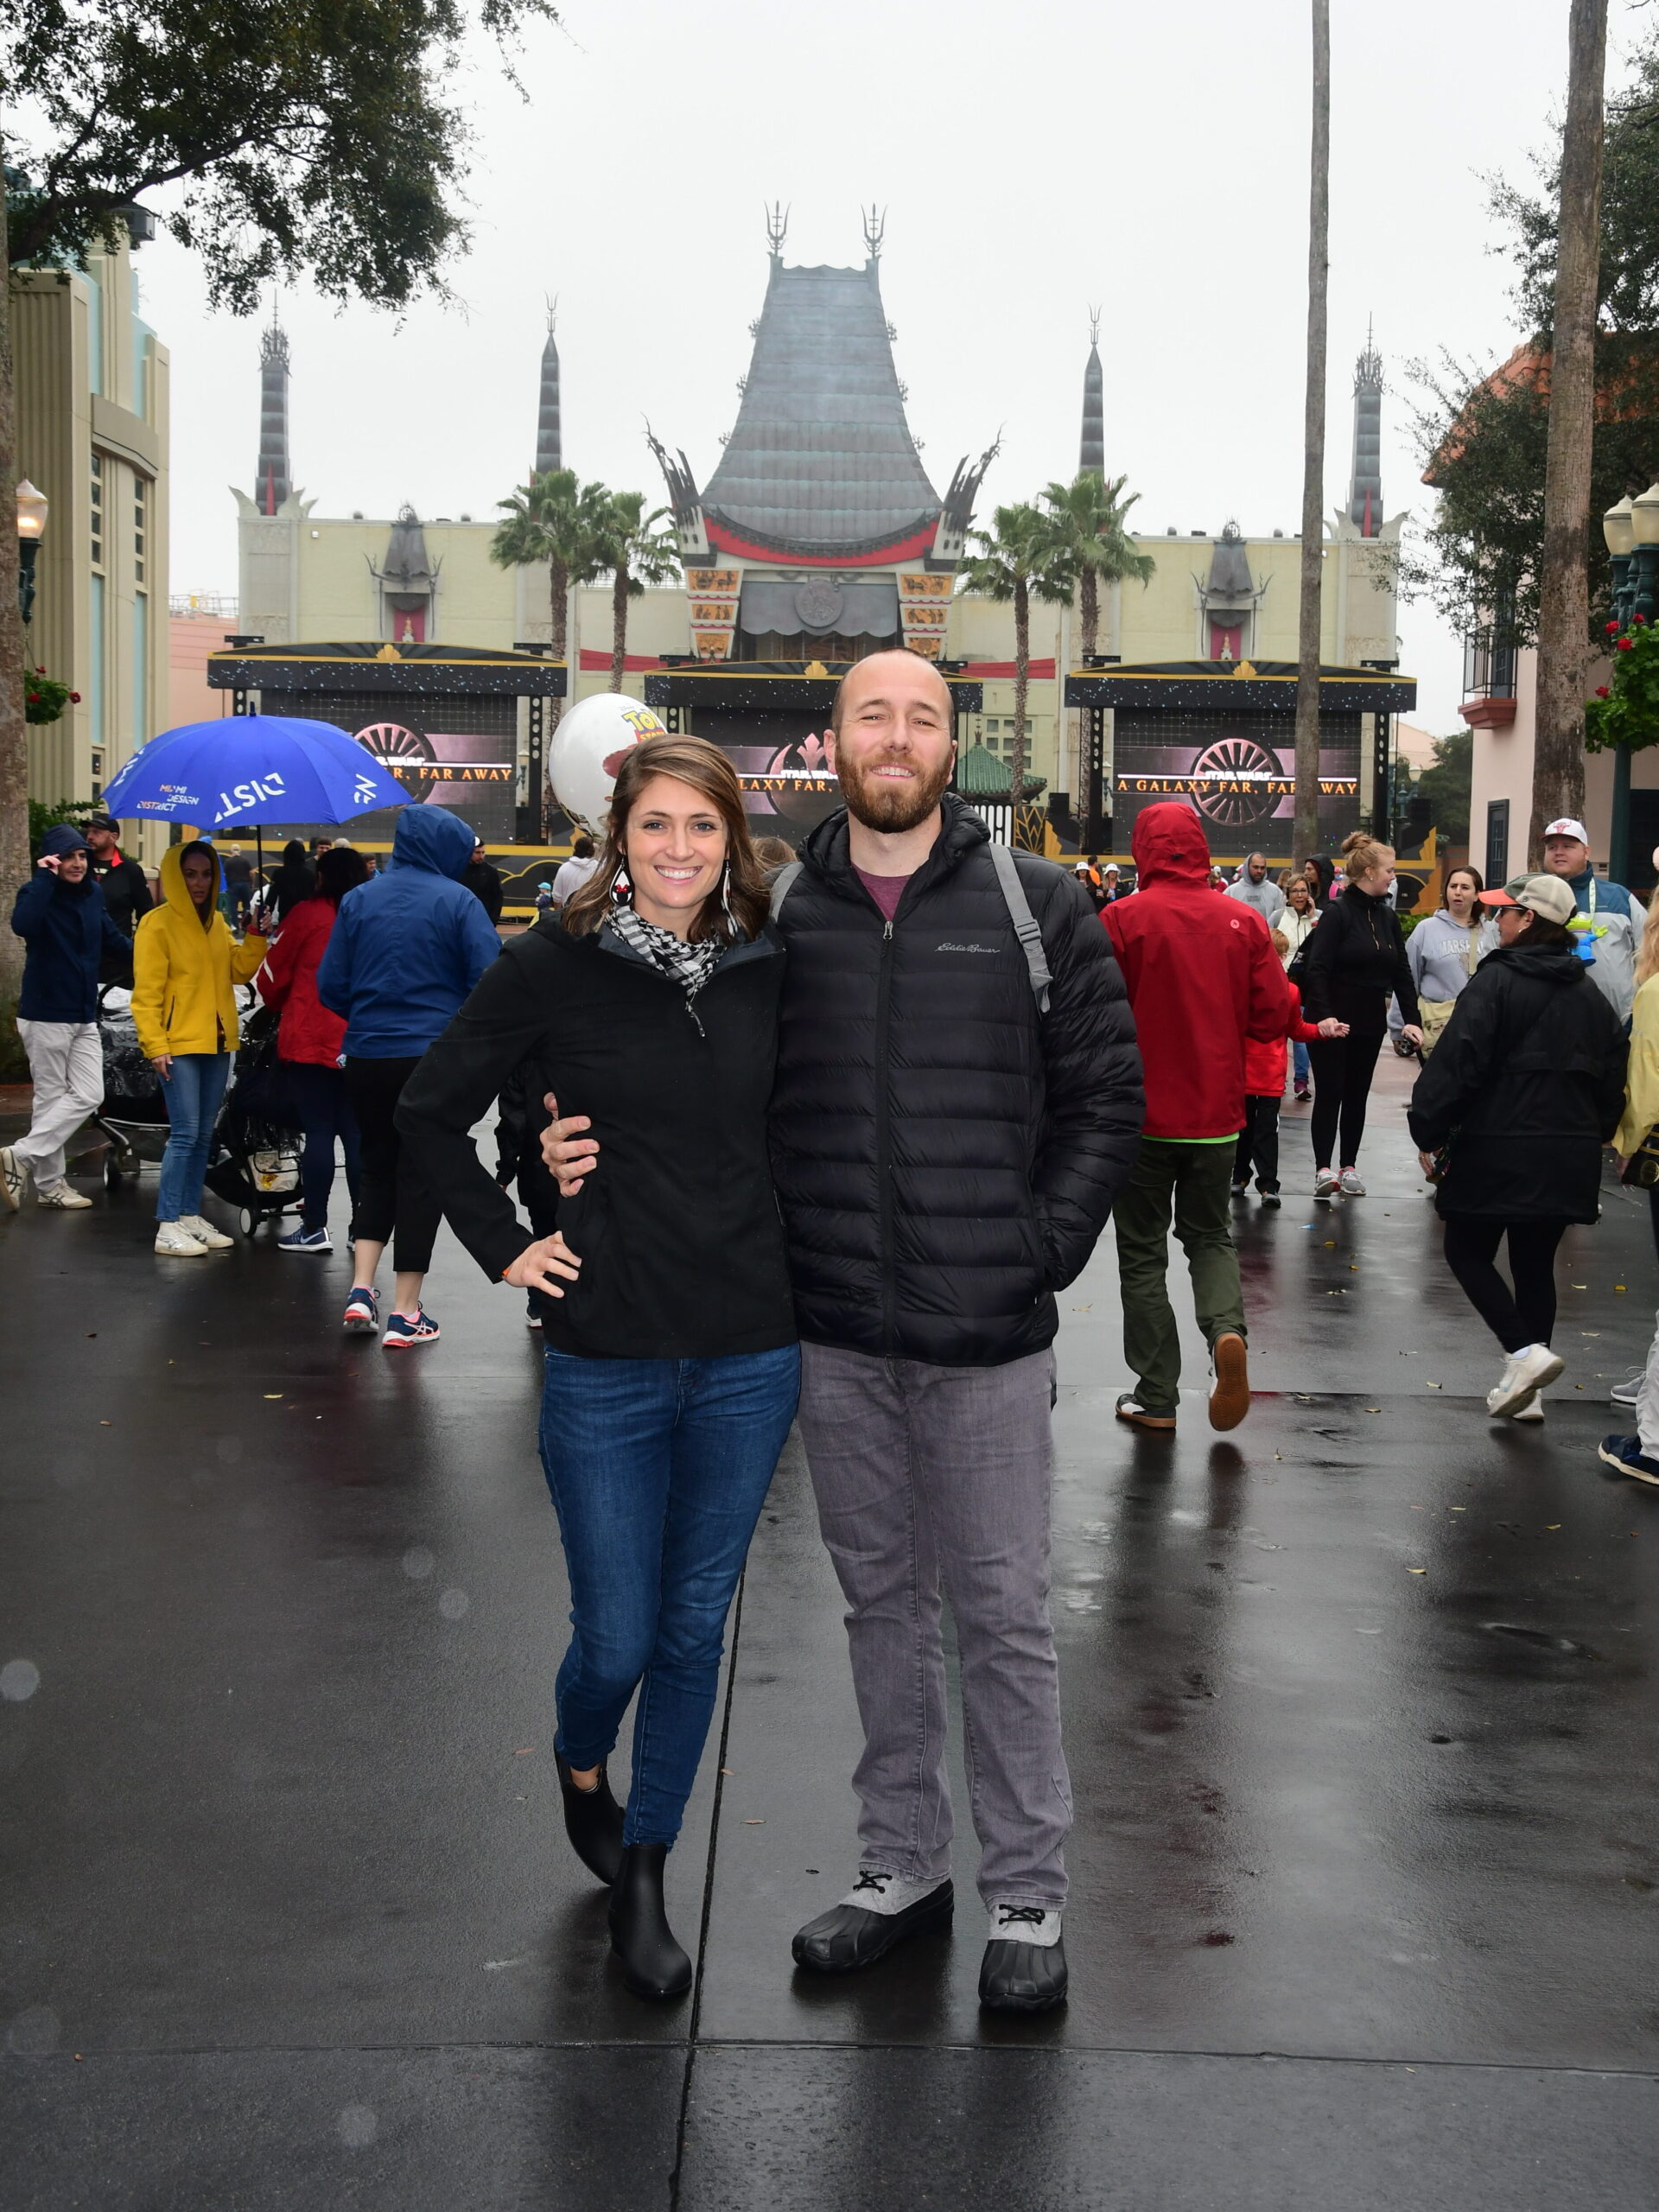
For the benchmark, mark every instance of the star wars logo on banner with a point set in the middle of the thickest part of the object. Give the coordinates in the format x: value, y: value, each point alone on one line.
x: 1238, y: 770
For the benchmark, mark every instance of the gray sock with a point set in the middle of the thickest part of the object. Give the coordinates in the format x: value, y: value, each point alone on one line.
x: 877, y: 1892
x: 1025, y: 1923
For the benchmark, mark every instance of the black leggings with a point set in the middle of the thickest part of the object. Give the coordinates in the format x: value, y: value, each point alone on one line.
x: 1342, y: 1068
x: 1528, y: 1316
x: 392, y: 1194
x: 1258, y: 1143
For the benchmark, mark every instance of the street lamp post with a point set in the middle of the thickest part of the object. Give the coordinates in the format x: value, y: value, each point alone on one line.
x: 32, y: 512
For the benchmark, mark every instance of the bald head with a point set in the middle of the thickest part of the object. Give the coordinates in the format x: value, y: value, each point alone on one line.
x: 892, y: 676
x: 892, y: 742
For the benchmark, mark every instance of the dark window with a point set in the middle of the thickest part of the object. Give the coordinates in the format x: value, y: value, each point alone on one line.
x: 1497, y: 842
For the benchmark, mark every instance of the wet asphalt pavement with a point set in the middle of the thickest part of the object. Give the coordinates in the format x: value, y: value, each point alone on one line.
x: 1365, y: 1881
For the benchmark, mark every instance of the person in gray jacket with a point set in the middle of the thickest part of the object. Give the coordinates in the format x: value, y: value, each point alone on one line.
x: 1257, y: 888
x: 1443, y: 953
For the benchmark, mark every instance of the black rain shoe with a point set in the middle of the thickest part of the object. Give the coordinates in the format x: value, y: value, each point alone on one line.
x: 1022, y: 1977
x: 846, y: 1937
x: 653, y: 1965
x: 592, y: 1821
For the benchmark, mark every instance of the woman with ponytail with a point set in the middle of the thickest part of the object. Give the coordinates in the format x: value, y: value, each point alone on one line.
x: 648, y: 1005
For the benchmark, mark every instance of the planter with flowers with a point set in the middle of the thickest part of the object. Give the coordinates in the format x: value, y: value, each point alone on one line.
x: 45, y: 698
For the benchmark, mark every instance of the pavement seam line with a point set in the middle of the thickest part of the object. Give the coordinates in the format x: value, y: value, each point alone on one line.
x: 708, y: 1898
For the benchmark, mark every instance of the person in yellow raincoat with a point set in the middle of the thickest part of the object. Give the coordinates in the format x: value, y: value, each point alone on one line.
x: 185, y: 964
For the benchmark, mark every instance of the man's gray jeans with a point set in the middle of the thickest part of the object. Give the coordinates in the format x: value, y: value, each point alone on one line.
x: 934, y: 1483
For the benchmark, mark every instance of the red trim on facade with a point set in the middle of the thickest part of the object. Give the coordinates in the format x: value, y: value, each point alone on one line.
x: 595, y: 662
x: 904, y: 549
x: 1040, y: 672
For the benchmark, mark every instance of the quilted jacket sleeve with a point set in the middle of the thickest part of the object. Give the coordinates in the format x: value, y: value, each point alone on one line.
x: 1461, y: 1063
x: 1095, y: 1104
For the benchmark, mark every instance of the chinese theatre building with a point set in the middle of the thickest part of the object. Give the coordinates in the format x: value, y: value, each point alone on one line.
x: 818, y: 539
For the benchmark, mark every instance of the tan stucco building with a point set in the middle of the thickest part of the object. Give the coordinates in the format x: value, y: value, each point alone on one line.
x: 92, y: 380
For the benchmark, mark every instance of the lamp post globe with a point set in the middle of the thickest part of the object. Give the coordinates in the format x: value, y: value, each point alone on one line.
x: 32, y: 510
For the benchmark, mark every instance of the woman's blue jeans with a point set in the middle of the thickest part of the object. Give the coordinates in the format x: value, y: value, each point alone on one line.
x: 1299, y: 1059
x: 658, y: 1469
x: 192, y: 1093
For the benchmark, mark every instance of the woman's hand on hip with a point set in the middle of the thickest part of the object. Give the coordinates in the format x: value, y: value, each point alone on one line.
x: 569, y: 1158
x: 537, y: 1266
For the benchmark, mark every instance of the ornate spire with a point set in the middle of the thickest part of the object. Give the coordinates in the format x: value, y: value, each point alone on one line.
x: 1365, y: 487
x: 875, y: 227
x: 1091, y: 451
x: 273, y: 480
x: 550, y: 445
x: 777, y: 229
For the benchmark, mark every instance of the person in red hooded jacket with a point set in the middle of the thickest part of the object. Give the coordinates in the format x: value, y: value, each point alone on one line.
x: 1265, y: 1068
x: 310, y: 1041
x: 1203, y: 980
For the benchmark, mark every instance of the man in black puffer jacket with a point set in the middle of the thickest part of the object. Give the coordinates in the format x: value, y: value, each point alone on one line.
x: 945, y: 1155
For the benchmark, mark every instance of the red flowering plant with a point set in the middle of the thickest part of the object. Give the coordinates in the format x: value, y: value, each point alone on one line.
x: 1625, y: 709
x: 44, y: 698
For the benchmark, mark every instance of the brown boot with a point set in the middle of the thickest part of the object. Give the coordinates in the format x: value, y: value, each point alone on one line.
x: 1231, y: 1399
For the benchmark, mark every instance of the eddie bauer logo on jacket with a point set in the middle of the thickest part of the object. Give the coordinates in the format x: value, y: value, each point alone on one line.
x: 951, y: 945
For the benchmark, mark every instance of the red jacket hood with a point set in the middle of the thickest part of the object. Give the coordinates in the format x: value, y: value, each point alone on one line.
x: 1169, y: 845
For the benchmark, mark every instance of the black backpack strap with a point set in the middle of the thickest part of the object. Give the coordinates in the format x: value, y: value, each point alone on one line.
x: 782, y: 884
x: 1025, y: 922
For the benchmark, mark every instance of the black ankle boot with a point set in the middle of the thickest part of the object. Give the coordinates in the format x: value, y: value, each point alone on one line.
x: 653, y: 1965
x: 592, y: 1821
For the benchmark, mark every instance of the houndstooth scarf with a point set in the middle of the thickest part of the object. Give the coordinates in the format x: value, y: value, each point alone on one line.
x: 688, y: 965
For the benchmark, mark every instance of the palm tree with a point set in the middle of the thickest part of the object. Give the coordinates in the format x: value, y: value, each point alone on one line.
x: 1020, y: 557
x: 1305, y: 830
x: 1088, y: 518
x: 556, y: 519
x: 639, y: 549
x: 1564, y: 584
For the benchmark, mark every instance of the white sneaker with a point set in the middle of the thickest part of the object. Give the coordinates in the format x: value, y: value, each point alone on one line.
x: 174, y: 1242
x: 1525, y: 1374
x: 1533, y: 1412
x: 1349, y: 1184
x: 13, y: 1176
x: 63, y: 1199
x: 1627, y: 1393
x: 215, y: 1240
x: 1326, y: 1185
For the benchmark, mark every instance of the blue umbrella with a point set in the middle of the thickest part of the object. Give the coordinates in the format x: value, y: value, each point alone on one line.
x: 253, y: 768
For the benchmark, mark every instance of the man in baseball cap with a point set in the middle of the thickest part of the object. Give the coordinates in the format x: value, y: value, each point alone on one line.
x: 125, y: 885
x: 1614, y: 919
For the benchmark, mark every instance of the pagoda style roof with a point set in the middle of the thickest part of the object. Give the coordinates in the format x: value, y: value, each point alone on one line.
x: 821, y: 461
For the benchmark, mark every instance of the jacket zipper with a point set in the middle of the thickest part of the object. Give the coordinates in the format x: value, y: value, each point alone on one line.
x: 883, y: 1152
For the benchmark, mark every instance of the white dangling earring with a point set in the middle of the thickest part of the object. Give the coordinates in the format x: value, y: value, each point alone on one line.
x: 726, y: 897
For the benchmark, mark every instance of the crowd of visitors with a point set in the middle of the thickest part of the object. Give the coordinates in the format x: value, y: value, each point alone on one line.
x: 822, y: 1138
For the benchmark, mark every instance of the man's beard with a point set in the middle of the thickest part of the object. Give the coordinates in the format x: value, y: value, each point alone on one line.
x: 890, y: 808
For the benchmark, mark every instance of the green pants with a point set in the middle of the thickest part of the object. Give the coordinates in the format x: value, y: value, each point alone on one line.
x: 1195, y: 1182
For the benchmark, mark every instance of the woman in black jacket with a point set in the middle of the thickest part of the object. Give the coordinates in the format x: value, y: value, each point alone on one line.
x: 1526, y: 1085
x: 1354, y: 964
x: 650, y: 1005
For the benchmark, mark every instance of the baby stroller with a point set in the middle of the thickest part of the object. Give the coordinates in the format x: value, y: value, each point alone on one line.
x: 133, y: 1115
x: 257, y: 1145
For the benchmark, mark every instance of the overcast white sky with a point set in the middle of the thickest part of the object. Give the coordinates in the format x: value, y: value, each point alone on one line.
x: 1033, y: 160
